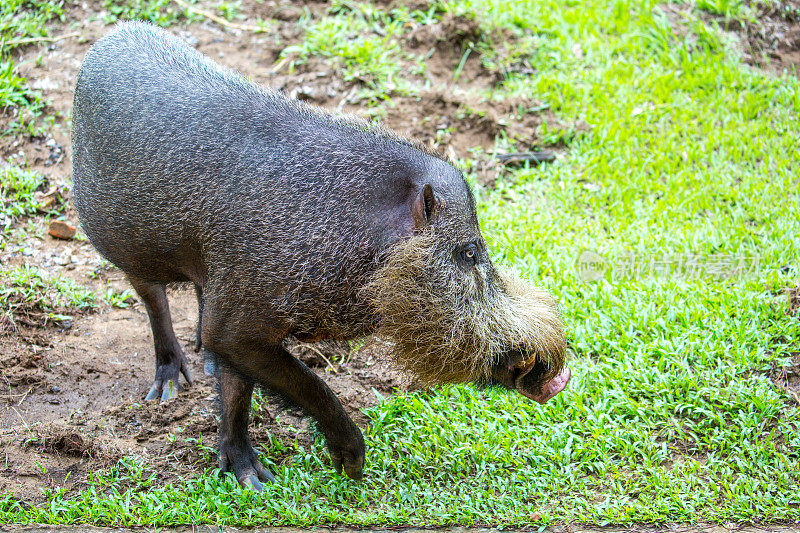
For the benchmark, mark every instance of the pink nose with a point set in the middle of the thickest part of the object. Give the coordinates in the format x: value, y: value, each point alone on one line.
x: 551, y: 388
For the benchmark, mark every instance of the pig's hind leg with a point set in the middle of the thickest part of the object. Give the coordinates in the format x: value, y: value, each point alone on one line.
x: 170, y: 361
x: 210, y: 366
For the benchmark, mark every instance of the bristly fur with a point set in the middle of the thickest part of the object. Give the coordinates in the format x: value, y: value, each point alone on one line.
x: 448, y: 329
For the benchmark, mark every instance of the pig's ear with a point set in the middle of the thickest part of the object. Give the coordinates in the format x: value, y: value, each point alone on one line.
x: 423, y: 207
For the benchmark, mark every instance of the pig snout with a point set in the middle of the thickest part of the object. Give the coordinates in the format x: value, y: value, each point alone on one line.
x: 531, y: 384
x: 534, y: 380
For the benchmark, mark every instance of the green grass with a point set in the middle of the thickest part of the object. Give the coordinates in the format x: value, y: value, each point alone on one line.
x: 671, y: 415
x: 159, y: 12
x: 364, y: 44
x: 24, y: 104
x: 726, y: 8
x: 167, y: 13
x: 20, y: 20
x: 115, y: 298
x: 17, y: 186
x: 18, y: 200
x: 39, y: 296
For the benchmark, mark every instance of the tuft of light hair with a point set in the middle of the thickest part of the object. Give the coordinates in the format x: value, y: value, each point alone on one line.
x: 450, y: 328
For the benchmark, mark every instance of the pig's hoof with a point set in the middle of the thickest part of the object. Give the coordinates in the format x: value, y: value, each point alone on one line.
x: 349, y: 458
x: 244, y: 464
x: 166, y: 384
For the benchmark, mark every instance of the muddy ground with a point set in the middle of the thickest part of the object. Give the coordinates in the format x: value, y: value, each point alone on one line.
x: 767, y: 36
x: 72, y: 392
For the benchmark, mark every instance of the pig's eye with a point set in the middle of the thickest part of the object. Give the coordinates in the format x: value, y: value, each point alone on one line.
x: 467, y: 255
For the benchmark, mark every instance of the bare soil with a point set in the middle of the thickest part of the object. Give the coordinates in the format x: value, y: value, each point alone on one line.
x: 770, y: 41
x: 72, y: 400
x: 787, y: 378
x: 793, y: 308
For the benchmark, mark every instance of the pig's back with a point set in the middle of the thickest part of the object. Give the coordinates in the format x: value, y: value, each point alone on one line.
x: 181, y: 166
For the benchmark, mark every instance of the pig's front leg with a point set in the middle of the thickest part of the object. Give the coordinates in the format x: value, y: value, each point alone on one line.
x: 281, y: 373
x: 236, y: 453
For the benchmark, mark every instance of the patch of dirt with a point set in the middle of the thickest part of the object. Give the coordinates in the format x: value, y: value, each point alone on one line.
x: 448, y: 45
x: 446, y: 120
x: 461, y: 126
x: 412, y: 5
x: 793, y: 308
x: 787, y: 378
x: 45, y: 155
x: 67, y: 441
x: 771, y: 41
x: 451, y: 33
x: 23, y: 370
x: 284, y: 10
x: 76, y: 406
x: 23, y: 311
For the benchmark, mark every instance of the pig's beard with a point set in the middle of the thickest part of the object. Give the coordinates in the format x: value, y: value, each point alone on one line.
x: 446, y: 327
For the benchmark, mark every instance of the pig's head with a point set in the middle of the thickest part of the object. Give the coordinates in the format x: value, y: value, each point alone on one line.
x: 451, y: 316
